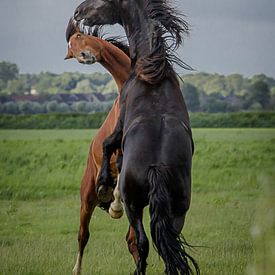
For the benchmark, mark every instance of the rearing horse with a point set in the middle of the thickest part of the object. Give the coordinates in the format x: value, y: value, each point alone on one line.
x: 113, y: 55
x: 153, y: 128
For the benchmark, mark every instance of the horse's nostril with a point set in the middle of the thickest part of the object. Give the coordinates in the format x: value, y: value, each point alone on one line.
x: 83, y: 54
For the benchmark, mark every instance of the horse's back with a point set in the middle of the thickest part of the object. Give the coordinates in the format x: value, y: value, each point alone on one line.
x: 164, y: 143
x: 153, y: 100
x: 156, y: 134
x: 156, y: 126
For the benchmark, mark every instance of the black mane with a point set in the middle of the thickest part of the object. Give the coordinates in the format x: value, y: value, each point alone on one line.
x: 73, y: 27
x: 170, y: 19
x: 115, y: 40
x: 169, y: 28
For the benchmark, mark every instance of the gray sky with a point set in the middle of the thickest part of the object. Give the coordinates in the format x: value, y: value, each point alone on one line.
x: 228, y: 36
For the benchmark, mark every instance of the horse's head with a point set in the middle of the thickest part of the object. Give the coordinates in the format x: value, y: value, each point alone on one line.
x: 97, y: 12
x: 84, y: 48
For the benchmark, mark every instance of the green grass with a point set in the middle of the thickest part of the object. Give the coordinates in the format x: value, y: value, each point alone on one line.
x: 27, y: 135
x: 232, y: 211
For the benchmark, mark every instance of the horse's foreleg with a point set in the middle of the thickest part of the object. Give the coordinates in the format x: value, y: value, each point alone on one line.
x: 105, y: 184
x: 88, y: 205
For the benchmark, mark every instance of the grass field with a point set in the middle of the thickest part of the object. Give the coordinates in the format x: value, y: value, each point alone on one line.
x: 232, y: 212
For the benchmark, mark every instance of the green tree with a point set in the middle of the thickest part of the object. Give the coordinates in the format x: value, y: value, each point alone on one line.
x: 262, y: 77
x: 82, y: 107
x: 52, y: 106
x: 25, y: 107
x: 63, y: 108
x: 191, y: 96
x: 216, y: 104
x: 21, y: 85
x: 37, y: 108
x: 45, y: 83
x: 100, y: 79
x: 259, y: 92
x: 272, y: 102
x: 10, y: 108
x: 84, y: 86
x: 8, y: 71
x: 110, y: 90
x: 66, y: 81
x: 216, y: 84
x: 235, y: 84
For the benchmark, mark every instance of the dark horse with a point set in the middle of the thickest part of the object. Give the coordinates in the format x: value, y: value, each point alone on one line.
x: 153, y: 129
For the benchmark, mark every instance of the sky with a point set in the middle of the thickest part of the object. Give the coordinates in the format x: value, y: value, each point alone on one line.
x: 227, y: 36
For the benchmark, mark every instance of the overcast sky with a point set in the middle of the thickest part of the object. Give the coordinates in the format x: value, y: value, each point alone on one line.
x: 228, y: 36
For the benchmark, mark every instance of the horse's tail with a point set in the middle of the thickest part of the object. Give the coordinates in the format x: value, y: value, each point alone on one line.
x: 167, y: 241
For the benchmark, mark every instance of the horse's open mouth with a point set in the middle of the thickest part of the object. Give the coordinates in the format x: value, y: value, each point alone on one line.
x: 88, y: 62
x: 86, y: 58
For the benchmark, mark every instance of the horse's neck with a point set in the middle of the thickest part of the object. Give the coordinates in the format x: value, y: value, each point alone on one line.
x: 140, y: 42
x: 116, y: 62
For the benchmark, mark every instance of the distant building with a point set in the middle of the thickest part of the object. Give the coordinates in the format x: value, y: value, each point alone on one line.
x: 33, y: 91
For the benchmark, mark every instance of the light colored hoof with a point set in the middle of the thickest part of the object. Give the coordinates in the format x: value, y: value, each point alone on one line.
x: 105, y: 193
x: 116, y: 210
x: 77, y: 267
x: 76, y: 271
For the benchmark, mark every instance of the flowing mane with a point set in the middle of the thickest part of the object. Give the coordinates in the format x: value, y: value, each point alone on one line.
x: 170, y: 19
x: 73, y: 27
x: 169, y: 28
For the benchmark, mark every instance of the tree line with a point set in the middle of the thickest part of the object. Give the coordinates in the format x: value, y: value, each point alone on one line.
x: 211, y: 93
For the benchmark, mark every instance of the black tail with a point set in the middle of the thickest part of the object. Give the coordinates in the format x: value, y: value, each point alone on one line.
x: 167, y: 241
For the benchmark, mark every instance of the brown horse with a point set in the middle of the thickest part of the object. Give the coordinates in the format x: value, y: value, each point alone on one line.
x: 113, y: 56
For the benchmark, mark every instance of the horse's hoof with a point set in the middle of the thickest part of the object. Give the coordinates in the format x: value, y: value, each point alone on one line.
x: 105, y: 193
x: 76, y: 271
x: 116, y: 212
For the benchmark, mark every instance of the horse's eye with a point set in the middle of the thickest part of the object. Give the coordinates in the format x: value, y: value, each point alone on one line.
x: 78, y: 36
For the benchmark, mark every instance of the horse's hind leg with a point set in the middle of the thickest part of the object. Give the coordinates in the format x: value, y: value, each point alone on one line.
x: 132, y: 244
x: 88, y: 204
x: 135, y: 218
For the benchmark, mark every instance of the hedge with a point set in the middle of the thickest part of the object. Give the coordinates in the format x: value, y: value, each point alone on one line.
x: 93, y: 121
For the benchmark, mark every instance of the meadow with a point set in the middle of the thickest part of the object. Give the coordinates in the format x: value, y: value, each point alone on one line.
x: 231, y: 219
